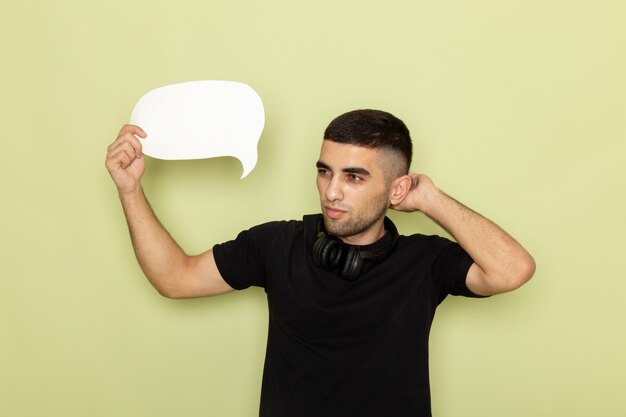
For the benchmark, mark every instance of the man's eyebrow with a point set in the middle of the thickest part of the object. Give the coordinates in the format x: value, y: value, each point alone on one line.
x: 320, y: 164
x: 357, y: 170
x: 349, y: 170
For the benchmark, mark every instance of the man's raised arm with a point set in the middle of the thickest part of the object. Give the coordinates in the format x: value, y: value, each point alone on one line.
x: 168, y: 268
x: 500, y: 263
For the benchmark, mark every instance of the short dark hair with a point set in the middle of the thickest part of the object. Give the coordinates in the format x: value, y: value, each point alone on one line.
x: 372, y: 129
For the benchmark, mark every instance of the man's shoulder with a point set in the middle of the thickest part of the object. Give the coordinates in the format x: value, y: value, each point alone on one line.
x: 425, y: 241
x: 293, y: 226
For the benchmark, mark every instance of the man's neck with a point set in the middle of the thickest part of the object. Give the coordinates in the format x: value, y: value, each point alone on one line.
x: 367, y: 237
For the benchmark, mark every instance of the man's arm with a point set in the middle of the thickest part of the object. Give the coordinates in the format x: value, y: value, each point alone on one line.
x: 168, y: 268
x: 500, y: 263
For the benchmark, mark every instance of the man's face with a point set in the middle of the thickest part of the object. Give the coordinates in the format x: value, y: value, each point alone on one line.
x: 354, y: 192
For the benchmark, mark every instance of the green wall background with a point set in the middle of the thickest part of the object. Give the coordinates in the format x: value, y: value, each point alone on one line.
x: 517, y: 108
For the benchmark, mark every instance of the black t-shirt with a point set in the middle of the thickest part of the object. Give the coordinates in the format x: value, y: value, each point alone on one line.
x: 338, y: 348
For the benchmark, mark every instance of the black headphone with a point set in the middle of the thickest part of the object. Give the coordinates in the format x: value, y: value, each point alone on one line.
x: 331, y: 254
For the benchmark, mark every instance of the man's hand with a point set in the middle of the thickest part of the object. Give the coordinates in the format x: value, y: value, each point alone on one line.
x: 125, y: 159
x: 417, y: 198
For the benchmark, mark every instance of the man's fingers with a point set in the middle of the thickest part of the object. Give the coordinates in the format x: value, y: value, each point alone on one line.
x: 123, y: 152
x: 133, y: 129
x: 129, y: 133
x: 119, y: 158
x: 129, y: 147
x: 123, y: 158
x: 126, y: 148
x: 126, y: 140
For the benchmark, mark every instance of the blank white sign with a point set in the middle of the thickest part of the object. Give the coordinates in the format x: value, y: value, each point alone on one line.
x: 202, y: 119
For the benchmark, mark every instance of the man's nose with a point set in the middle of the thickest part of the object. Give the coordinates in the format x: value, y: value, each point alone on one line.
x: 334, y: 191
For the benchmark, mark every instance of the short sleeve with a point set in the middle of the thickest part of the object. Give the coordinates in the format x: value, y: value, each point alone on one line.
x: 450, y: 271
x: 242, y: 261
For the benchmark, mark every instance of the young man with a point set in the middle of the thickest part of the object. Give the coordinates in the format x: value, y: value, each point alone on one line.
x: 351, y: 301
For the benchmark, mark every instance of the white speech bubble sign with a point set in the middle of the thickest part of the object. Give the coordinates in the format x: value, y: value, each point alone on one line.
x: 202, y: 119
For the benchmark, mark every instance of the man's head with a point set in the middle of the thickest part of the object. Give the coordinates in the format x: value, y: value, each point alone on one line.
x: 362, y: 170
x: 374, y: 129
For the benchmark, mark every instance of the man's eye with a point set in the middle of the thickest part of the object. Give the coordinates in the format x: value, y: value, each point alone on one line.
x: 354, y: 178
x: 322, y: 171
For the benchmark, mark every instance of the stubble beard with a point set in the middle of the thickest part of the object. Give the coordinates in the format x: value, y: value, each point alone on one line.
x: 359, y: 224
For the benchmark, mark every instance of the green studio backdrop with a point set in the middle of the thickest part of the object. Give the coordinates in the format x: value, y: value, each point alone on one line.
x: 516, y: 108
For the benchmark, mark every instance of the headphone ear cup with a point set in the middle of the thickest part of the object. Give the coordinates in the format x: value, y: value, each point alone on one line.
x: 327, y: 252
x: 330, y: 253
x: 352, y: 265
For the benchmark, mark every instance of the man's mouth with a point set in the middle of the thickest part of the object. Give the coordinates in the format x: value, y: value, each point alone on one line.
x: 333, y: 213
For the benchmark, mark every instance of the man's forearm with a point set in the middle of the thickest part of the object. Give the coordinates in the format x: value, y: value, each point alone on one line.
x: 504, y: 264
x: 161, y: 259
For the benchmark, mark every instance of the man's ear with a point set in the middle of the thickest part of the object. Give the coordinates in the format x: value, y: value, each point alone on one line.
x: 400, y: 187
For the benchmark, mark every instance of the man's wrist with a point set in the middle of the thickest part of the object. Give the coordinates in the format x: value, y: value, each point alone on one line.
x: 132, y: 194
x: 431, y: 200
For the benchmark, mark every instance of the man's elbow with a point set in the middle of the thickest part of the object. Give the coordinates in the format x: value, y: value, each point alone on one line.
x: 521, y: 273
x: 171, y: 286
x: 171, y: 292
